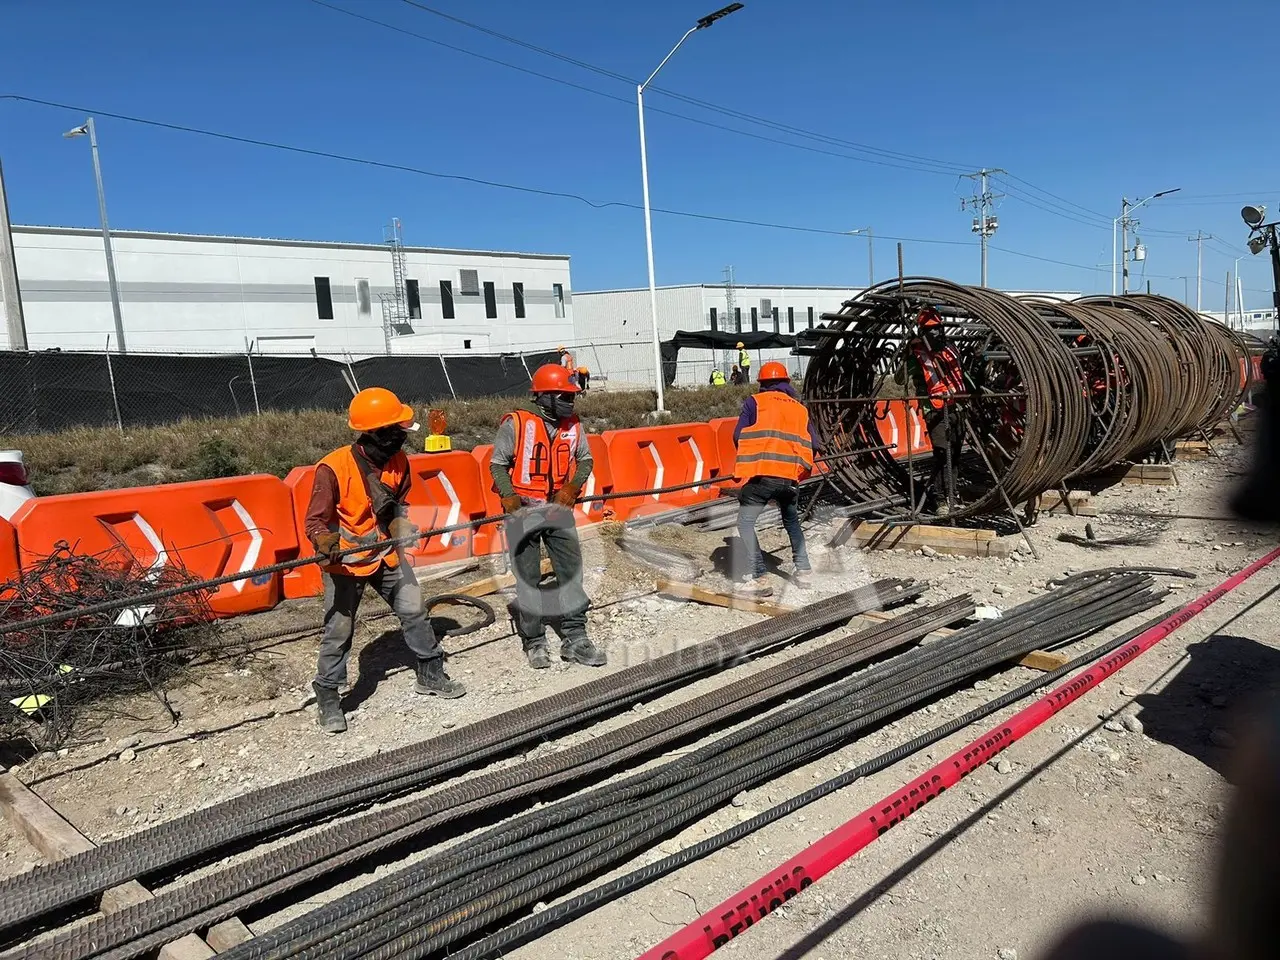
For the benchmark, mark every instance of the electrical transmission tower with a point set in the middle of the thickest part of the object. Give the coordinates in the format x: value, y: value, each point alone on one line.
x: 395, y: 305
x: 984, y: 224
x: 730, y: 300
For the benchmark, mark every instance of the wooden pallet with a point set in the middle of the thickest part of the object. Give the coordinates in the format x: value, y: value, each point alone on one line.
x: 955, y: 541
x: 56, y: 839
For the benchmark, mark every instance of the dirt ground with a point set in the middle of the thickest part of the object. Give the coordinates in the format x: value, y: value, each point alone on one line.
x: 1092, y: 814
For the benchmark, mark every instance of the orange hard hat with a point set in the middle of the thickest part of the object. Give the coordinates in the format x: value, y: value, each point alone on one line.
x: 929, y: 318
x: 773, y: 370
x: 552, y: 378
x: 583, y: 370
x: 375, y: 407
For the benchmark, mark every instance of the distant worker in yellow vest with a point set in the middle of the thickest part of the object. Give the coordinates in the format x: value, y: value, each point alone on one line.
x: 358, y: 498
x: 717, y: 377
x: 775, y: 442
x: 566, y: 361
x: 540, y: 462
x: 744, y: 362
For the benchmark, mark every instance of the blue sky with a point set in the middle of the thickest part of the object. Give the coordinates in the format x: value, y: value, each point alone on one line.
x: 1081, y: 102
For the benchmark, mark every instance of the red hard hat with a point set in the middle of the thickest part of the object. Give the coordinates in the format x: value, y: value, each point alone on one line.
x: 929, y: 318
x: 375, y: 407
x: 552, y: 378
x: 773, y: 370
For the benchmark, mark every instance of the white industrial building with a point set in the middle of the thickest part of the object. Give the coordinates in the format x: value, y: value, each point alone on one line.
x: 614, y: 333
x: 208, y: 294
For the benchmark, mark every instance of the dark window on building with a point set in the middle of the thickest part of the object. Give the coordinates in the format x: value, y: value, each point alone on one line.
x: 466, y: 344
x: 324, y: 299
x: 414, y: 298
x: 469, y: 285
x: 446, y: 299
x: 775, y: 320
x: 811, y: 318
x: 755, y: 320
x: 737, y: 319
x: 713, y: 320
x: 490, y: 301
x: 517, y: 295
x: 791, y: 319
x: 557, y: 293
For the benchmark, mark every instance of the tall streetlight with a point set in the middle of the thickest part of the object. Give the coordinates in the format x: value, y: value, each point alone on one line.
x: 702, y: 24
x: 871, y: 255
x: 88, y: 129
x: 1125, y: 222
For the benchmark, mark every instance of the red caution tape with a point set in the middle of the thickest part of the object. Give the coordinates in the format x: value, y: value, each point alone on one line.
x: 740, y: 912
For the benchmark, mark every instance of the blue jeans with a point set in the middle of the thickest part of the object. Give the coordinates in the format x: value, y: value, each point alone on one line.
x: 754, y: 496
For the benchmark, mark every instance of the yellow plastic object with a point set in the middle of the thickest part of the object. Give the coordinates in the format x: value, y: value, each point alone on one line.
x: 31, y: 704
x: 436, y: 443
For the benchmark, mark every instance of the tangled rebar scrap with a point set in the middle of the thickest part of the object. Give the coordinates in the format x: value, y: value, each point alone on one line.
x: 1052, y: 389
x: 52, y: 672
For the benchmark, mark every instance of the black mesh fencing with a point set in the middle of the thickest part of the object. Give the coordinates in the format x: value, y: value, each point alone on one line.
x: 55, y: 390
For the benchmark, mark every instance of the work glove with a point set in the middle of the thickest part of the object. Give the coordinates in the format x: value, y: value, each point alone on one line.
x: 328, y: 545
x: 511, y: 504
x: 400, y: 528
x: 567, y: 495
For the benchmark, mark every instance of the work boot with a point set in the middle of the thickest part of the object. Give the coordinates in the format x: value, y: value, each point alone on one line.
x: 756, y: 589
x: 434, y: 682
x: 582, y: 651
x: 803, y: 579
x: 538, y: 654
x: 329, y: 710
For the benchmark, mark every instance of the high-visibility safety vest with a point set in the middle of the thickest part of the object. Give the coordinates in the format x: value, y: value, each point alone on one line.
x: 744, y: 360
x: 942, y: 376
x: 717, y: 378
x: 542, y: 465
x: 355, y: 523
x: 778, y: 443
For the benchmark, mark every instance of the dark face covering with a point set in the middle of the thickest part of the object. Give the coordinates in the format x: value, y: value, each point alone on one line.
x: 555, y: 406
x: 382, y: 444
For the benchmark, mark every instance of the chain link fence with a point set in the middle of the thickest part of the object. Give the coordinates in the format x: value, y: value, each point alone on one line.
x: 57, y: 390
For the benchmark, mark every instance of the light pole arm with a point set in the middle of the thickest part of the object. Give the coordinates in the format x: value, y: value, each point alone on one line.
x: 658, y: 69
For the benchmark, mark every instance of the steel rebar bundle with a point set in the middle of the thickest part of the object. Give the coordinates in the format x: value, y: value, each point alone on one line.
x: 434, y: 903
x: 1052, y: 389
x: 54, y: 892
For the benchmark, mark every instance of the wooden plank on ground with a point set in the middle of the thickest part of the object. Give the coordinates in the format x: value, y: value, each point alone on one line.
x: 227, y: 934
x: 56, y: 839
x: 950, y: 540
x: 1080, y: 503
x: 687, y: 591
x: 1149, y: 473
x: 489, y: 585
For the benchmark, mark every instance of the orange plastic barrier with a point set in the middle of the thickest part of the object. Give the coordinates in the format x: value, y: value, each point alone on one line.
x: 726, y: 449
x: 898, y: 419
x: 211, y: 527
x: 445, y: 489
x: 599, y: 481
x: 647, y: 457
x: 8, y: 552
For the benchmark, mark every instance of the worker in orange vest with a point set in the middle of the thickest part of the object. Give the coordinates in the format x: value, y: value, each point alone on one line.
x: 775, y: 442
x: 540, y: 462
x: 566, y: 361
x: 358, y: 498
x: 936, y: 373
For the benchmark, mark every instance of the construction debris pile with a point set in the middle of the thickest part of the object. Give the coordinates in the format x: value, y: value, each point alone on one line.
x: 52, y: 672
x: 1052, y: 389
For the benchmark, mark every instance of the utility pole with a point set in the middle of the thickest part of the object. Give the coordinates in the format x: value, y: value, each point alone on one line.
x: 1125, y: 221
x: 1226, y: 303
x: 10, y: 294
x: 984, y: 224
x: 1199, y: 240
x: 87, y: 128
x: 871, y: 255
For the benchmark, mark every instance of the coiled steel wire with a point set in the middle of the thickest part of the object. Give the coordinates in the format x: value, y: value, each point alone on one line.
x: 1052, y: 389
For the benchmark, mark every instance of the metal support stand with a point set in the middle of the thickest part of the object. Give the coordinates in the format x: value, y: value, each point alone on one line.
x: 973, y: 437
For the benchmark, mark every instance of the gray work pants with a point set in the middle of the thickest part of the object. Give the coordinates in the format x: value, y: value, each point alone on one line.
x: 396, y: 585
x: 527, y: 532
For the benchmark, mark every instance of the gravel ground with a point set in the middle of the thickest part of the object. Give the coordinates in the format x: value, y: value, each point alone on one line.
x: 1112, y: 808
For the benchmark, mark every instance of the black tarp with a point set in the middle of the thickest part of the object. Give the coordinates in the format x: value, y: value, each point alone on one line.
x: 55, y: 390
x: 714, y: 340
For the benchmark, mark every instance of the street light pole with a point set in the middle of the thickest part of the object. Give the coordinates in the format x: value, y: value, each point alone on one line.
x: 89, y: 129
x: 702, y: 24
x: 1125, y: 222
x: 871, y: 255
